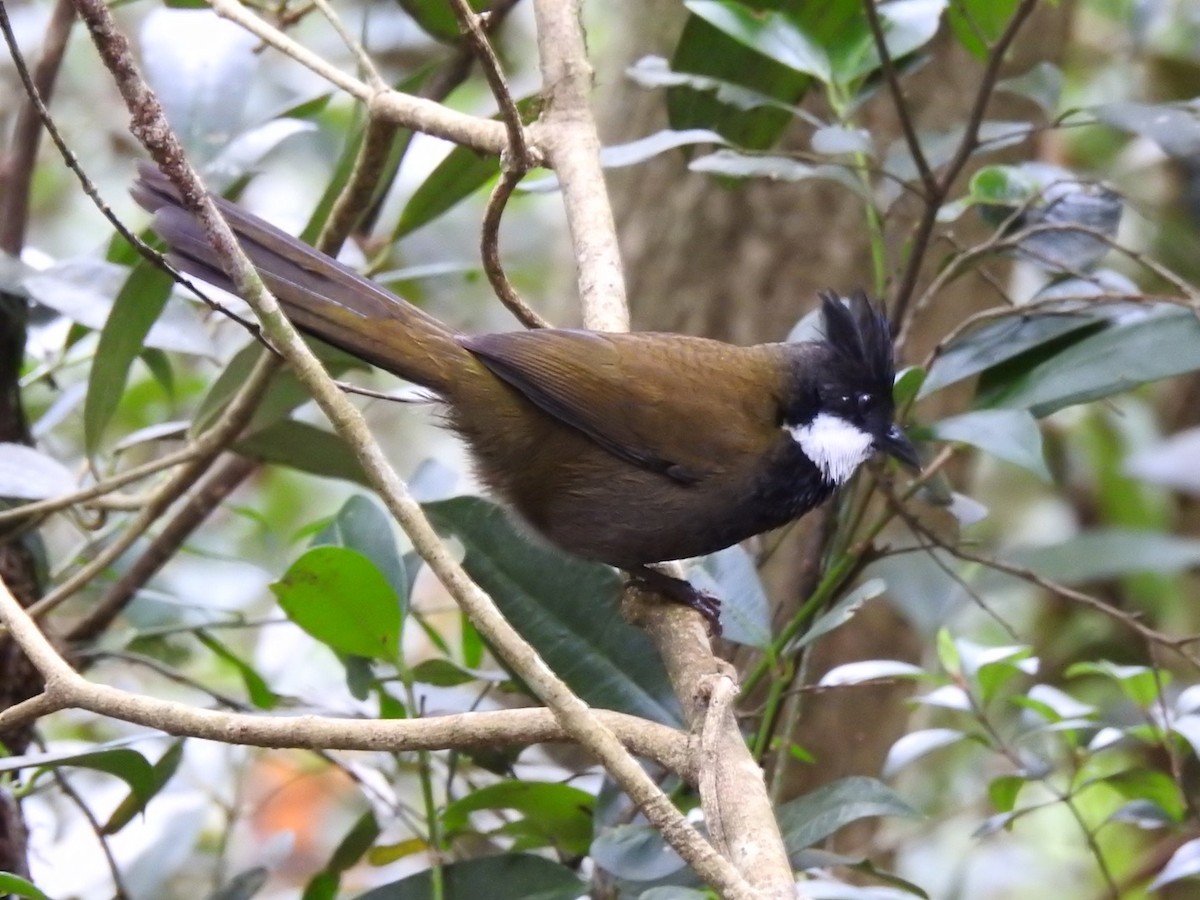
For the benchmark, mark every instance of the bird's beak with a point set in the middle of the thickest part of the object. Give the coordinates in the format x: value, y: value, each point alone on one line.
x: 896, y: 443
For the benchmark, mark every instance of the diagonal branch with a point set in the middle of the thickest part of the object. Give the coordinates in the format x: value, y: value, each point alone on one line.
x: 966, y: 146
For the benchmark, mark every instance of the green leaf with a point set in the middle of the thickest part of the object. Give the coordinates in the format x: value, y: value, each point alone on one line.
x: 810, y: 819
x: 1008, y: 434
x: 507, y: 876
x: 1003, y: 792
x: 1001, y: 340
x: 558, y: 815
x: 908, y: 386
x: 340, y: 598
x: 17, y: 886
x: 257, y: 690
x: 1140, y: 683
x: 242, y: 886
x: 565, y: 607
x: 353, y: 847
x: 135, y: 309
x: 978, y: 23
x: 436, y: 17
x: 455, y: 178
x: 305, y: 448
x: 770, y: 33
x: 128, y: 765
x: 284, y: 394
x: 706, y: 52
x: 1153, y: 786
x: 362, y: 525
x: 841, y: 613
x: 163, y: 771
x: 442, y: 673
x: 1115, y: 359
x: 1109, y: 553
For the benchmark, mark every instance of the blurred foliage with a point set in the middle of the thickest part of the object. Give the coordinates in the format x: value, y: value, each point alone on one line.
x: 1050, y: 564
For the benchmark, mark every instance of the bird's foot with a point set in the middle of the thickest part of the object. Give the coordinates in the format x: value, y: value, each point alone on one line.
x: 677, y: 590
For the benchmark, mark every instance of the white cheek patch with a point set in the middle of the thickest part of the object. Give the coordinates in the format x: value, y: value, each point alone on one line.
x: 835, y: 446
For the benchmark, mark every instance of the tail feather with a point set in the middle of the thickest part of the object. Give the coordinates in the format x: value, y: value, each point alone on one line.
x: 319, y: 294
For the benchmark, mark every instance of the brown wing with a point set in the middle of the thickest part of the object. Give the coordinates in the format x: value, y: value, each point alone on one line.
x: 719, y: 406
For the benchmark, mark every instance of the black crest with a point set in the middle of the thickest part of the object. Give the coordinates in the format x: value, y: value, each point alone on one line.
x: 860, y: 338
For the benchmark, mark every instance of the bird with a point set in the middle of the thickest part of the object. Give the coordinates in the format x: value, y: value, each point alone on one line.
x: 627, y: 449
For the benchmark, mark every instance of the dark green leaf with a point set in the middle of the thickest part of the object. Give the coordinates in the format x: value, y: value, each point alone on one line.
x: 558, y: 814
x: 284, y: 394
x: 1113, y: 360
x: 810, y: 819
x: 441, y: 673
x: 163, y: 771
x: 455, y: 178
x: 508, y: 876
x: 436, y: 17
x: 1009, y: 434
x: 135, y: 309
x: 1001, y: 340
x: 358, y: 840
x: 770, y: 33
x: 243, y: 885
x: 257, y: 690
x: 342, y: 600
x: 305, y: 448
x: 563, y: 606
x: 705, y: 51
x: 159, y: 365
x: 128, y: 765
x: 362, y: 525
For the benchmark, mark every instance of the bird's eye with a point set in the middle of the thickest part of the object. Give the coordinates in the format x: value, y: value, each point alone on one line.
x: 864, y: 402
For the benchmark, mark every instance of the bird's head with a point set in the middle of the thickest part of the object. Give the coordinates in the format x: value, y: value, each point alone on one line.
x: 850, y: 413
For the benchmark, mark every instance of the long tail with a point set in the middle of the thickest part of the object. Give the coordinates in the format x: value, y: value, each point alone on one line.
x: 319, y: 294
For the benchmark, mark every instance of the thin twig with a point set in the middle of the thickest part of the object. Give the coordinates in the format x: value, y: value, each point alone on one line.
x: 902, y: 111
x: 417, y: 113
x: 966, y: 146
x: 515, y: 161
x: 489, y: 248
x: 120, y: 892
x: 365, y: 63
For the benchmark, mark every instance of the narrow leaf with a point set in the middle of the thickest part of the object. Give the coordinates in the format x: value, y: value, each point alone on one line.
x: 810, y: 819
x: 135, y: 309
